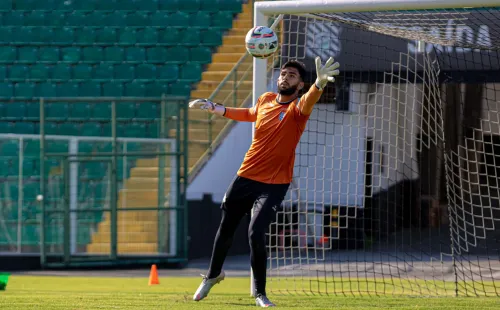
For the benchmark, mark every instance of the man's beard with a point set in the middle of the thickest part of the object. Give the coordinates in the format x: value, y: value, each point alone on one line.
x: 287, y: 91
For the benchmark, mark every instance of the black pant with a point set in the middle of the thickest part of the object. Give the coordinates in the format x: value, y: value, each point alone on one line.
x: 243, y: 195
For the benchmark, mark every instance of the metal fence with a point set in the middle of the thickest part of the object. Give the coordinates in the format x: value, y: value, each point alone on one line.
x: 113, y: 194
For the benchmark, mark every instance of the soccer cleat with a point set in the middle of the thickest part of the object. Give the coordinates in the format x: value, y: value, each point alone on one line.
x: 263, y: 301
x: 206, y: 285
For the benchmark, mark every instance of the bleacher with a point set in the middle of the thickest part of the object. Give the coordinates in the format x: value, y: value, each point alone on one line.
x: 93, y: 48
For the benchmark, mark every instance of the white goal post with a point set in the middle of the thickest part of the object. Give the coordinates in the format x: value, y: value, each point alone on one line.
x: 390, y: 117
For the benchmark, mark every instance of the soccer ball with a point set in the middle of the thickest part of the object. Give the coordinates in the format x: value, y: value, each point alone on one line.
x: 261, y: 42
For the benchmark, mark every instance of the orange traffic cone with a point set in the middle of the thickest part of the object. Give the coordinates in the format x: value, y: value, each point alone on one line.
x: 153, y: 276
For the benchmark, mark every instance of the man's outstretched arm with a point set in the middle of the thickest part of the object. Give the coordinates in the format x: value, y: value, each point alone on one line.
x: 324, y: 74
x: 237, y: 114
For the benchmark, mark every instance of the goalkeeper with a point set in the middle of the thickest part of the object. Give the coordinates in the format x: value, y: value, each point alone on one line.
x: 263, y: 179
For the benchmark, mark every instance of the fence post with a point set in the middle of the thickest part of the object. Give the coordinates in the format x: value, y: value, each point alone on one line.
x: 43, y: 260
x: 113, y: 198
x: 161, y: 176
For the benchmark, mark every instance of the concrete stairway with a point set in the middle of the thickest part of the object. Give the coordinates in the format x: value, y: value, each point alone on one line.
x: 138, y: 230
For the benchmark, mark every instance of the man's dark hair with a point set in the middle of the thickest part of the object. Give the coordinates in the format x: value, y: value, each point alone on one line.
x: 297, y: 65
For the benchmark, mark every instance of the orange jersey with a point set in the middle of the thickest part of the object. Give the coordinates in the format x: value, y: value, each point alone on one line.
x: 278, y: 129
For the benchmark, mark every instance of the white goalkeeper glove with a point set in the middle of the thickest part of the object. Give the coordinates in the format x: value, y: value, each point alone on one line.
x: 208, y: 105
x: 326, y: 73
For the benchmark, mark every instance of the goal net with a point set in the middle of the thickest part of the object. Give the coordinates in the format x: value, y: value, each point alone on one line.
x: 396, y: 180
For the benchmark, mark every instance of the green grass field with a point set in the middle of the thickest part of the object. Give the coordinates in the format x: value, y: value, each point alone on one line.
x: 47, y: 292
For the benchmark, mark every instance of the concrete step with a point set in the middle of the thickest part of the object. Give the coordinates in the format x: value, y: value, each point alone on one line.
x: 243, y: 21
x: 123, y: 248
x: 227, y: 66
x: 224, y: 96
x: 153, y: 162
x: 227, y: 57
x: 218, y: 76
x: 239, y: 31
x: 240, y: 48
x: 123, y: 226
x: 147, y: 183
x: 204, y: 124
x: 229, y: 85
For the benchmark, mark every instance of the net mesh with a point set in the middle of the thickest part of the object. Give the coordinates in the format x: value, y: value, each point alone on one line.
x: 396, y: 180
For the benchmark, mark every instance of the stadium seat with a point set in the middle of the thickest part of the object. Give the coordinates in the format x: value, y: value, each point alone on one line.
x: 114, y: 54
x: 32, y: 111
x: 211, y: 37
x: 24, y: 90
x: 168, y: 72
x: 45, y: 90
x: 7, y: 54
x: 6, y: 90
x: 160, y: 18
x: 10, y: 148
x: 92, y: 53
x: 222, y: 19
x: 71, y: 54
x: 180, y: 89
x: 79, y: 111
x: 14, y: 110
x: 135, y: 54
x: 147, y: 36
x: 125, y: 110
x: 168, y: 36
x: 190, y: 37
x: 127, y: 35
x: 90, y: 129
x: 176, y: 55
x: 6, y: 35
x: 13, y: 18
x: 178, y: 19
x: 61, y: 72
x: 124, y: 72
x: 200, y: 19
x: 101, y: 111
x: 84, y: 35
x: 18, y: 72
x: 89, y: 89
x: 157, y: 89
x: 147, y: 111
x: 102, y: 72
x: 137, y: 18
x: 145, y: 72
x: 67, y: 89
x: 82, y: 71
x: 64, y: 35
x: 135, y: 89
x: 190, y: 5
x: 34, y: 18
x: 24, y: 128
x: 190, y: 72
x: 48, y: 54
x: 39, y: 72
x: 112, y: 89
x: 105, y: 35
x: 69, y: 129
x: 202, y: 55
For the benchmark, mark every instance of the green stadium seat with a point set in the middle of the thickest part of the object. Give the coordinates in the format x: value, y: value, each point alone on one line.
x: 69, y: 129
x: 6, y: 34
x: 39, y: 72
x: 159, y: 18
x: 6, y: 127
x: 95, y: 170
x: 200, y: 19
x: 156, y: 89
x: 115, y: 18
x: 34, y: 18
x: 102, y: 71
x: 10, y: 148
x: 157, y: 55
x: 32, y: 110
x: 24, y: 128
x: 112, y: 89
x: 234, y: 6
x: 147, y: 36
x: 3, y: 72
x: 133, y: 130
x: 135, y: 54
x: 85, y: 147
x: 137, y: 19
x: 14, y: 110
x: 13, y: 18
x: 56, y: 111
x: 89, y: 89
x: 6, y: 5
x: 57, y: 146
x: 45, y: 90
x: 92, y: 53
x: 18, y: 72
x: 6, y: 90
x: 114, y: 54
x: 176, y: 55
x: 145, y: 72
x: 77, y: 18
x: 51, y: 128
x: 25, y: 90
x: 124, y: 72
x: 79, y: 111
x: 42, y: 34
x: 96, y: 18
x: 84, y: 35
x: 32, y: 148
x: 23, y: 34
x: 82, y: 71
x: 190, y: 5
x: 211, y: 37
x: 222, y: 19
x: 201, y: 54
x: 67, y: 89
x: 170, y: 36
x: 61, y: 72
x: 55, y: 17
x: 135, y: 89
x: 64, y: 35
x: 125, y: 110
x: 105, y: 35
x: 178, y: 19
x: 128, y: 35
x: 71, y: 54
x: 190, y: 72
x: 190, y: 37
x: 90, y: 129
x: 48, y: 54
x: 147, y: 111
x: 101, y: 111
x: 8, y: 54
x: 180, y: 89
